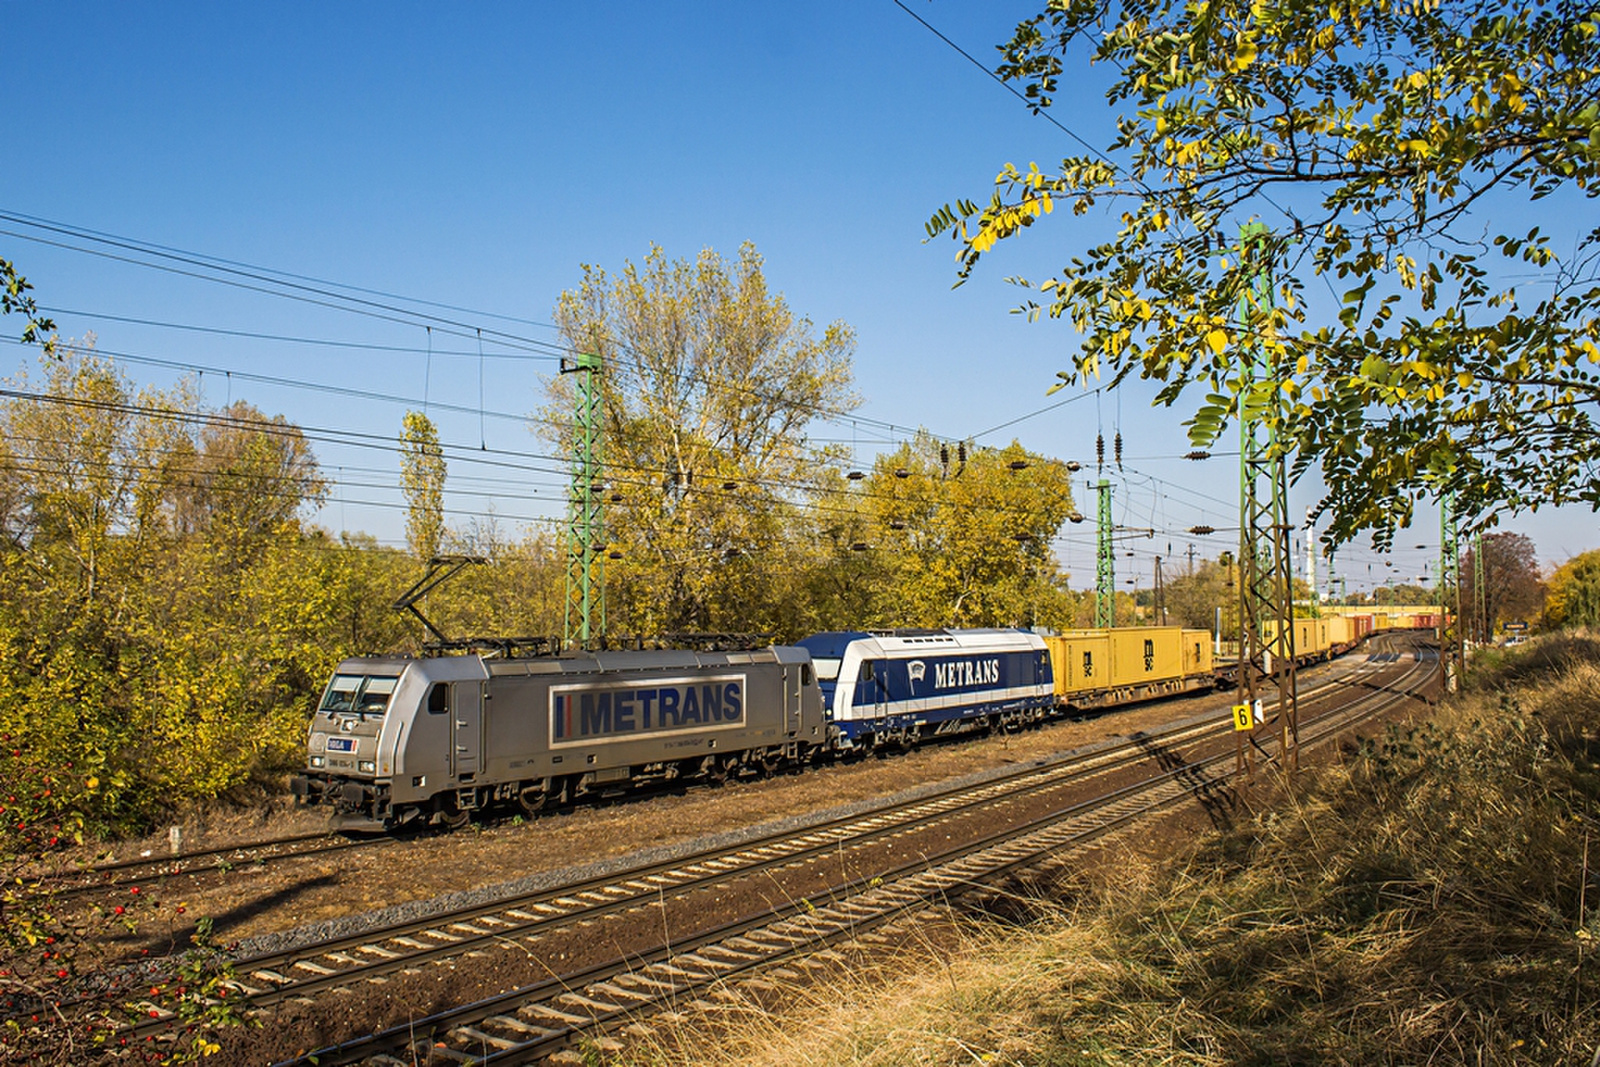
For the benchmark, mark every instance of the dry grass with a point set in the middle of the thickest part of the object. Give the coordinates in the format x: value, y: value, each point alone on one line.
x: 1432, y: 900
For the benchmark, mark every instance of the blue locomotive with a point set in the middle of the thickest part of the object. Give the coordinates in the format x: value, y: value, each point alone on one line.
x: 898, y: 688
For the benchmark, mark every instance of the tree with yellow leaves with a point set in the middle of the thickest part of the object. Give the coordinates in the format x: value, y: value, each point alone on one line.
x: 1420, y: 331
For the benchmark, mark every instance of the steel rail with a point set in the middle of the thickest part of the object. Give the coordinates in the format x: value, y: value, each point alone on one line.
x: 625, y: 989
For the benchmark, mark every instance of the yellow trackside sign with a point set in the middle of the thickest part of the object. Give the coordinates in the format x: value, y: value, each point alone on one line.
x: 1242, y: 719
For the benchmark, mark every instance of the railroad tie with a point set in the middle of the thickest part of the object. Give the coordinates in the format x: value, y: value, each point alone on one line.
x: 724, y: 950
x: 649, y: 983
x: 314, y: 968
x: 379, y: 950
x: 466, y: 1034
x: 613, y: 990
x: 596, y: 1007
x: 549, y: 1011
x: 511, y: 1022
x: 697, y: 960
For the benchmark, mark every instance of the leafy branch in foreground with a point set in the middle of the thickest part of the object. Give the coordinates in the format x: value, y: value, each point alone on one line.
x: 1405, y: 155
x: 14, y: 289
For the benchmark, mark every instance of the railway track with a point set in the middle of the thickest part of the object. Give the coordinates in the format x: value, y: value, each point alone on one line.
x: 530, y: 1023
x: 533, y: 1022
x: 97, y: 877
x: 310, y: 972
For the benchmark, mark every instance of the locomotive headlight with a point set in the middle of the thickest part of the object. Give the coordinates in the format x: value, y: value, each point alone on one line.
x: 366, y: 765
x: 317, y: 761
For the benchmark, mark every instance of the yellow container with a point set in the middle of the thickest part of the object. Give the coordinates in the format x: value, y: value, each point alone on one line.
x: 1099, y: 667
x: 1080, y: 661
x: 1142, y: 654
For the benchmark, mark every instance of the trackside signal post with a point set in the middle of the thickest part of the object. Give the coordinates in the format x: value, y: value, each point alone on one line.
x: 1266, y: 589
x: 586, y: 575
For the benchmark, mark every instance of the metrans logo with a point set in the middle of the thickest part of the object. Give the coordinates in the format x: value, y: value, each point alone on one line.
x: 626, y: 711
x: 963, y: 673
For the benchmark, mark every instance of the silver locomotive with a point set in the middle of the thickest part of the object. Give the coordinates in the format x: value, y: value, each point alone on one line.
x: 398, y: 739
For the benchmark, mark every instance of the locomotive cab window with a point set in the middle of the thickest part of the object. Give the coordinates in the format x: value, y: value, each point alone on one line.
x: 805, y: 674
x: 439, y: 699
x: 827, y: 668
x: 358, y: 694
x: 866, y: 672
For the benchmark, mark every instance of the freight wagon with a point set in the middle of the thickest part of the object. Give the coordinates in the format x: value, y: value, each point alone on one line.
x: 1097, y: 668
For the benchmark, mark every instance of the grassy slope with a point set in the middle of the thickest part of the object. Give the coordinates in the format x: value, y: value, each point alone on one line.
x: 1426, y: 902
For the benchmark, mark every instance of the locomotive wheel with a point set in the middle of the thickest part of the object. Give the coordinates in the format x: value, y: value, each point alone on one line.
x: 450, y: 817
x: 715, y: 770
x: 532, y: 801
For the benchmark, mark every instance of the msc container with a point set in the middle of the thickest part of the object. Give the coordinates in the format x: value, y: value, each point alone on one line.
x: 1143, y: 654
x: 1081, y: 663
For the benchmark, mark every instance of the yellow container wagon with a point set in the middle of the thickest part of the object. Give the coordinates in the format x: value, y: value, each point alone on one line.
x: 1094, y: 668
x: 1081, y: 663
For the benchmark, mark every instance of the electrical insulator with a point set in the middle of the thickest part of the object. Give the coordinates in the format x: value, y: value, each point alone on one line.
x: 1201, y: 531
x: 961, y: 454
x: 1118, y: 452
x: 1100, y: 450
x: 944, y: 457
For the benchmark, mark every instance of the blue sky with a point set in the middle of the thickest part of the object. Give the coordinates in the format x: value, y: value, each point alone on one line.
x: 476, y: 155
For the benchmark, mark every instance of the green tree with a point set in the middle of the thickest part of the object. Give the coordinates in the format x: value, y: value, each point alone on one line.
x: 1193, y: 598
x: 422, y: 475
x: 1388, y: 150
x: 1574, y: 592
x: 710, y: 383
x: 961, y: 537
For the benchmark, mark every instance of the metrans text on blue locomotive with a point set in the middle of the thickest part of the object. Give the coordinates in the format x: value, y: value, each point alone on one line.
x: 586, y: 714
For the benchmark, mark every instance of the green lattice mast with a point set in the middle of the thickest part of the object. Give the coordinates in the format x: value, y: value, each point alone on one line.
x: 1450, y: 658
x: 586, y: 566
x: 1266, y: 564
x: 1105, y: 571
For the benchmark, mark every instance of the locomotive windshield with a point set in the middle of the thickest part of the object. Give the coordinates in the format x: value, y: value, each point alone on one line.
x: 827, y: 668
x: 359, y: 694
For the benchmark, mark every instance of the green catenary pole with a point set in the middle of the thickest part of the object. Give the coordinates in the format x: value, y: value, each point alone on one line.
x: 1266, y: 564
x: 1449, y: 594
x: 1105, y: 575
x: 586, y: 576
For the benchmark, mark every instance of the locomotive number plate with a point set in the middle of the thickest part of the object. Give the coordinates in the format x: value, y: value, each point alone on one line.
x: 341, y: 744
